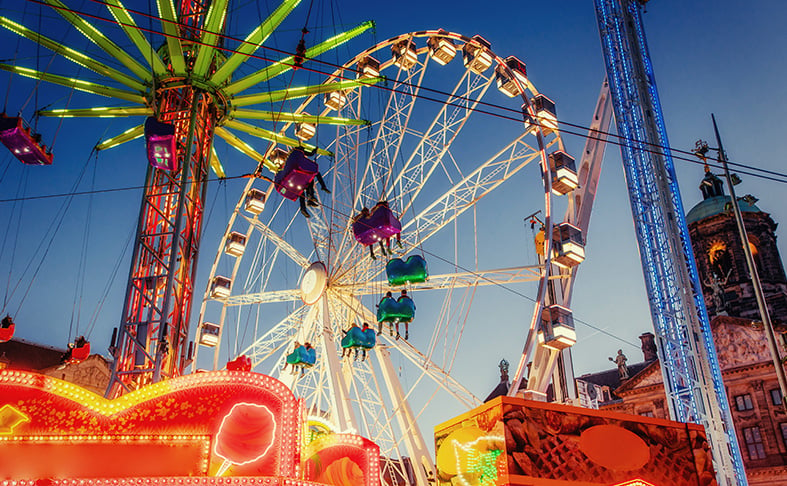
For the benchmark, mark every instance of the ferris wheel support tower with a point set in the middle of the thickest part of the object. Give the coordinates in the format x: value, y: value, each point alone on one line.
x: 690, y: 367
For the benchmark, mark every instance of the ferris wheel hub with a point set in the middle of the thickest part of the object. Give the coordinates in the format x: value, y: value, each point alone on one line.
x: 313, y: 283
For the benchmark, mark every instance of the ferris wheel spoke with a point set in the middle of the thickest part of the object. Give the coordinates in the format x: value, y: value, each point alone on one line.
x: 437, y: 140
x: 368, y: 396
x: 276, y: 338
x: 99, y: 112
x: 270, y: 136
x: 431, y: 369
x: 128, y: 135
x: 264, y: 297
x: 212, y: 25
x: 503, y: 276
x: 464, y: 195
x: 169, y: 25
x: 279, y: 242
x: 253, y: 41
x: 287, y: 63
x: 390, y: 131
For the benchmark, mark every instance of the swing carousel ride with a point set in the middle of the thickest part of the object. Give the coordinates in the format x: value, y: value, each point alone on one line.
x: 375, y: 173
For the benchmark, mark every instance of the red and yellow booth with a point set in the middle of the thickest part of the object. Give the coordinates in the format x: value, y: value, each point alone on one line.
x: 226, y: 427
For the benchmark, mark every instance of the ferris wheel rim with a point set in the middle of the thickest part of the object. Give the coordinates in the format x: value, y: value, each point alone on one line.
x: 499, y: 61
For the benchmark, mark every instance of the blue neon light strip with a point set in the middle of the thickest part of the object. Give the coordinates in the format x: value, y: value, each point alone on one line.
x: 649, y: 205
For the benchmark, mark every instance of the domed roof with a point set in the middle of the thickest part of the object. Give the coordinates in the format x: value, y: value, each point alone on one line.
x: 717, y: 205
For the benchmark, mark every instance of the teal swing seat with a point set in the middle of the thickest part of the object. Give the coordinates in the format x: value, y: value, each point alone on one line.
x: 401, y: 272
x: 390, y: 310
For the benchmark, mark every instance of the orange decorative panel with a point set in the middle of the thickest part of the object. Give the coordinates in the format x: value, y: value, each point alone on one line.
x: 521, y: 442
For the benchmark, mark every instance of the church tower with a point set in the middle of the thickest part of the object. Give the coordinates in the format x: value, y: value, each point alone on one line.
x: 720, y: 259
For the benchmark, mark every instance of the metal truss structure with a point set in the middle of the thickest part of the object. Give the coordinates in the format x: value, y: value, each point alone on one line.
x: 187, y: 83
x: 692, y: 377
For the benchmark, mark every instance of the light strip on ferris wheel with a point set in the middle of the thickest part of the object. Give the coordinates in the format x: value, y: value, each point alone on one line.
x: 98, y: 112
x: 243, y: 147
x: 215, y: 163
x: 124, y: 137
x: 272, y: 136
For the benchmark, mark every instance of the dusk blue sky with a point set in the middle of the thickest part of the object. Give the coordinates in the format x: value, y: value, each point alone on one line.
x: 722, y: 57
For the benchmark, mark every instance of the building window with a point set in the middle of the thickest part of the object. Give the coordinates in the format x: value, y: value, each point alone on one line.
x: 743, y: 402
x: 783, y: 427
x: 754, y: 443
x: 647, y: 413
x: 776, y: 396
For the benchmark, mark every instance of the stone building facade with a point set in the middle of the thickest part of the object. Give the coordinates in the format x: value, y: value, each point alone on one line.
x: 92, y: 374
x: 747, y: 367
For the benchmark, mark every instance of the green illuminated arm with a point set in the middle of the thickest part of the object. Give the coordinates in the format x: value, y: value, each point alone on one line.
x: 213, y: 23
x: 273, y: 136
x: 71, y: 54
x: 286, y: 64
x: 102, y: 41
x: 253, y: 41
x: 99, y: 112
x: 301, y: 92
x: 124, y: 20
x: 169, y: 24
x: 215, y: 163
x: 242, y: 146
x: 293, y: 117
x: 85, y: 86
x: 124, y: 137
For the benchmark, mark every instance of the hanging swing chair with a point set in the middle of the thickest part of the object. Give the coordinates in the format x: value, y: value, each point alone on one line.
x: 400, y: 310
x: 379, y: 224
x: 303, y: 356
x: 77, y: 352
x: 7, y: 327
x: 402, y: 272
x: 354, y: 338
x: 25, y: 144
x: 298, y: 172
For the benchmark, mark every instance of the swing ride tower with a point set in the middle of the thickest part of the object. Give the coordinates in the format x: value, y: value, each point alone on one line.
x: 153, y: 333
x: 187, y: 85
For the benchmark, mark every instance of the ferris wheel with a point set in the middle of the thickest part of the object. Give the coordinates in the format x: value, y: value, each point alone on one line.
x: 436, y: 161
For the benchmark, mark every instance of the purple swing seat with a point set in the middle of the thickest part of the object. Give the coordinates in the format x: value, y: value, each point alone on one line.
x: 25, y: 145
x: 379, y: 225
x: 297, y: 173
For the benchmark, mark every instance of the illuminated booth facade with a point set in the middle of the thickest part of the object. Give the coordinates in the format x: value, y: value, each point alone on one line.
x: 224, y: 427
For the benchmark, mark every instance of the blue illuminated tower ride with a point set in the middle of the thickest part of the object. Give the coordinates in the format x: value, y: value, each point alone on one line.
x: 691, y: 373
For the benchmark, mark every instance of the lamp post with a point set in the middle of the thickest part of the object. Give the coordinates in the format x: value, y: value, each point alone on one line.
x: 752, y: 267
